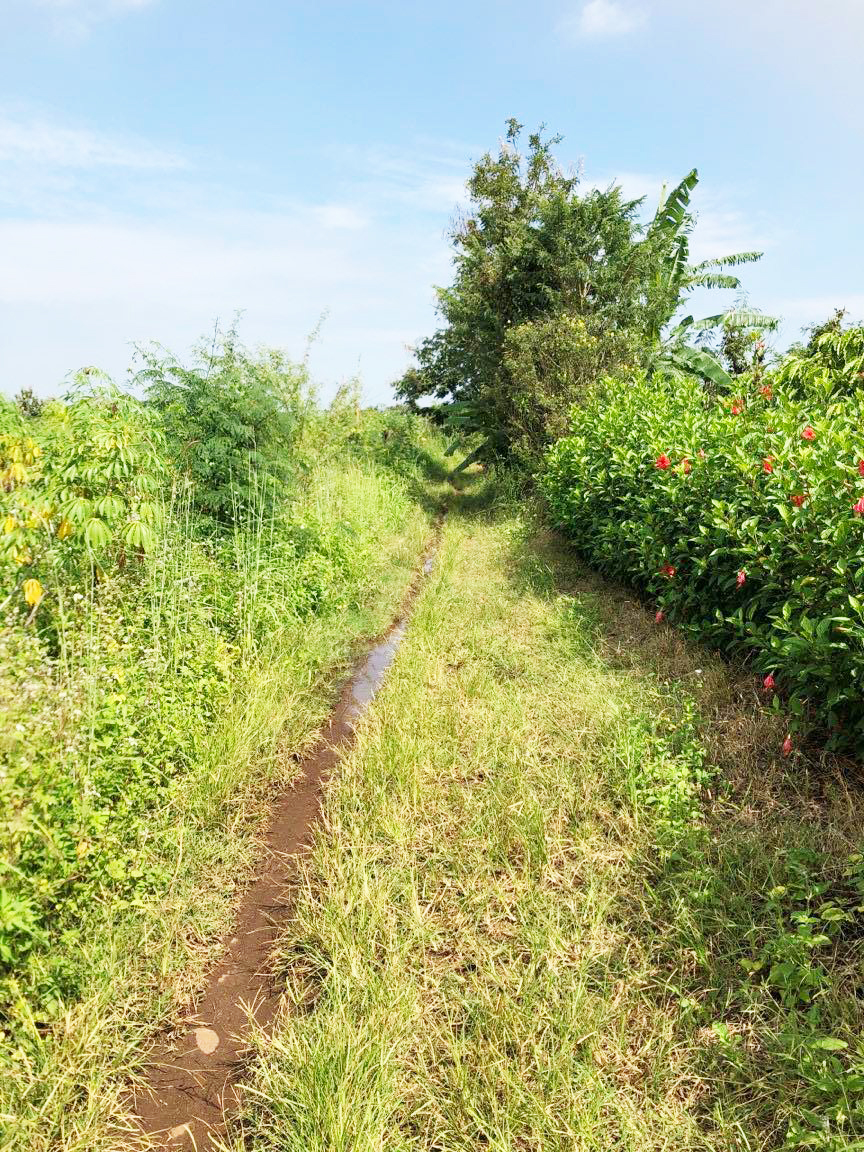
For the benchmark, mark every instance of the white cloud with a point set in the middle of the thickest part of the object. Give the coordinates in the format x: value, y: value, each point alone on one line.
x: 340, y: 217
x: 605, y: 20
x: 107, y: 241
x: 82, y: 290
x: 76, y: 18
x: 94, y: 7
x: 40, y: 143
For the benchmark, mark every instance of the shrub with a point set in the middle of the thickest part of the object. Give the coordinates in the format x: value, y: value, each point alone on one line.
x: 231, y: 418
x: 830, y: 365
x: 742, y: 517
x: 79, y: 492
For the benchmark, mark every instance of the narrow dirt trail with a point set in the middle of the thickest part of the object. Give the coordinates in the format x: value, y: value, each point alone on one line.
x: 193, y: 1082
x: 532, y: 881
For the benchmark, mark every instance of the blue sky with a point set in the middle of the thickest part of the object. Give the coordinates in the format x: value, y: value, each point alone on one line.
x: 167, y: 162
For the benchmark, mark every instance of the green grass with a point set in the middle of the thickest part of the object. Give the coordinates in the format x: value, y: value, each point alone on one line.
x: 563, y: 895
x: 130, y: 949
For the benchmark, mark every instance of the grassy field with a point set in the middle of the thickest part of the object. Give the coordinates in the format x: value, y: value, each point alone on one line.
x: 564, y: 896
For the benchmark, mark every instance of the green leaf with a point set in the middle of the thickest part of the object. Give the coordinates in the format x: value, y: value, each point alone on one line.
x: 96, y: 533
x: 701, y: 363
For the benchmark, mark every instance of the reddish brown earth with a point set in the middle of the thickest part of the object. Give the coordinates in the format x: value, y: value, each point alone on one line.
x: 193, y: 1082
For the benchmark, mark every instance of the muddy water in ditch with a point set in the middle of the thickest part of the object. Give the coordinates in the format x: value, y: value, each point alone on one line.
x: 193, y: 1082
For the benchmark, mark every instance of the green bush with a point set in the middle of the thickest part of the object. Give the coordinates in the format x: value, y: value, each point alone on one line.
x: 232, y: 418
x: 80, y: 495
x: 128, y: 626
x: 741, y: 517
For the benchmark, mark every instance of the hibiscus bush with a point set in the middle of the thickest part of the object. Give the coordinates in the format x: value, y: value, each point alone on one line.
x: 741, y: 517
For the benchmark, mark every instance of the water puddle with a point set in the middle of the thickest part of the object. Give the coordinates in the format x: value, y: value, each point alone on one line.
x: 193, y: 1081
x: 369, y: 677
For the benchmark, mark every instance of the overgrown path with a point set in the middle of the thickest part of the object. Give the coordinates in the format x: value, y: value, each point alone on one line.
x: 194, y: 1080
x: 556, y: 896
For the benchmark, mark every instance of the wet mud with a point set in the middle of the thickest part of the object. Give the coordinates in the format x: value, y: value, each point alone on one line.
x: 194, y: 1079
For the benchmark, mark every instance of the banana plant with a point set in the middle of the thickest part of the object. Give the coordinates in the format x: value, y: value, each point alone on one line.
x: 676, y: 278
x: 467, y: 419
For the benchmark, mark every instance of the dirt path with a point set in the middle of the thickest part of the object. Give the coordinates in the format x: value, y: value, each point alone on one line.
x: 194, y: 1081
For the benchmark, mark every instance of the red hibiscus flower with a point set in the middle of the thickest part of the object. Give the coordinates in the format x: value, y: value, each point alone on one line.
x: 741, y: 577
x: 686, y: 467
x: 767, y: 465
x: 787, y: 746
x: 668, y: 571
x: 798, y: 498
x: 662, y: 462
x: 735, y: 409
x: 808, y: 434
x: 858, y: 508
x: 765, y: 391
x: 861, y: 467
x: 768, y: 683
x: 659, y: 615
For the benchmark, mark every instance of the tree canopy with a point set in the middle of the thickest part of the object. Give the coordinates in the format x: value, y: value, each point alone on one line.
x: 555, y: 284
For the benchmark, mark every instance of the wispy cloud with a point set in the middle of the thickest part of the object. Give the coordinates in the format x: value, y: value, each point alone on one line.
x: 94, y: 7
x: 80, y: 290
x: 100, y: 256
x: 39, y: 142
x: 429, y: 178
x: 604, y: 20
x: 798, y: 312
x: 340, y: 217
x: 76, y: 18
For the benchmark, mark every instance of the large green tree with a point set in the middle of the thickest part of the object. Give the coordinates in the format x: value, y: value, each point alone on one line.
x: 555, y: 285
x: 530, y: 248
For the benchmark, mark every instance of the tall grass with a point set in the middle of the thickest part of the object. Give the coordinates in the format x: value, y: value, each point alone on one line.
x: 141, y: 757
x: 563, y: 895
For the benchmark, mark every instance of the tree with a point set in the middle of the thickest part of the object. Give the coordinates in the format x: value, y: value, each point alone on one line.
x: 530, y: 248
x: 675, y: 278
x: 555, y: 287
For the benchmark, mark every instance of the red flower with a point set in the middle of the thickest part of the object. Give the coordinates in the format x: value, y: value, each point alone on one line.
x: 858, y: 508
x: 668, y: 571
x: 861, y: 467
x: 787, y: 746
x: 662, y: 462
x: 735, y: 409
x: 686, y: 467
x: 798, y: 498
x: 808, y: 434
x: 765, y: 391
x: 741, y: 577
x: 659, y: 615
x: 768, y: 683
x: 767, y: 466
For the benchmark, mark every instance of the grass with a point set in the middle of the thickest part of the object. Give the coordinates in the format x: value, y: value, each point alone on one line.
x: 565, y: 895
x: 137, y: 960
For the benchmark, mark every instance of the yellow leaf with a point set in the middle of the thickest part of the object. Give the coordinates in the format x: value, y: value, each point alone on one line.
x: 33, y: 592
